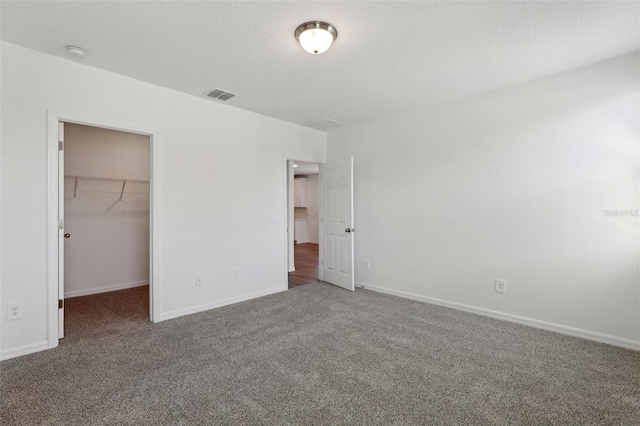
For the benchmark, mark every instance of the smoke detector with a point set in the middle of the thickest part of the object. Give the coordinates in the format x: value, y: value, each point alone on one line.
x: 76, y: 52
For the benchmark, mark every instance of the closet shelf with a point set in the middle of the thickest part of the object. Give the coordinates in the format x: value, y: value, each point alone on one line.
x: 105, y: 179
x: 102, y: 179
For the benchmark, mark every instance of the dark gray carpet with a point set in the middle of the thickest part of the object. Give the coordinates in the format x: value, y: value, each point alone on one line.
x: 315, y: 355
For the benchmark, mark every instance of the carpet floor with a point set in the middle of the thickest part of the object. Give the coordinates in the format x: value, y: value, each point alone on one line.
x: 314, y: 355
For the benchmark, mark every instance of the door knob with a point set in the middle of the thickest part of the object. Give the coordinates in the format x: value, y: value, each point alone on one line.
x: 67, y: 235
x: 349, y: 230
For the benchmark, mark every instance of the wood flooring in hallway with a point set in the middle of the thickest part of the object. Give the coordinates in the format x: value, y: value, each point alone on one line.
x: 306, y: 262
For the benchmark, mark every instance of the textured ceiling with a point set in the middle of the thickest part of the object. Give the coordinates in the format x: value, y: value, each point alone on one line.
x: 389, y: 57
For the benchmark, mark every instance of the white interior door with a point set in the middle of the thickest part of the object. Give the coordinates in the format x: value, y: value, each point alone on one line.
x: 61, y: 232
x: 336, y: 223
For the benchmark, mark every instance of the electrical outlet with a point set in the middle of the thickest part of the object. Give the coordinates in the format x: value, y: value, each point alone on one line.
x: 366, y: 265
x: 501, y: 286
x: 14, y: 311
x: 236, y: 274
x: 198, y: 280
x: 273, y: 218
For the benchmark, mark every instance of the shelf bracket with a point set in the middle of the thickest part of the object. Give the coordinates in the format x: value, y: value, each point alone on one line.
x: 122, y: 192
x: 75, y: 189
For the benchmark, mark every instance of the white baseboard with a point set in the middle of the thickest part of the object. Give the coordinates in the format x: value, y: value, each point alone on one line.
x: 218, y: 304
x: 292, y: 269
x: 558, y: 328
x: 24, y: 350
x: 105, y: 289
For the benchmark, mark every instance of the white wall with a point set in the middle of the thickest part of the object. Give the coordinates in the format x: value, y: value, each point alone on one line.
x: 109, y: 244
x: 511, y: 184
x: 214, y: 215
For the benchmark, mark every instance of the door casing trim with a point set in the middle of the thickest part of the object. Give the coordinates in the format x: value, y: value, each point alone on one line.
x: 53, y: 118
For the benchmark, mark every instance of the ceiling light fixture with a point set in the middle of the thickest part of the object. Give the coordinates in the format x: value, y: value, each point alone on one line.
x: 316, y: 37
x: 76, y: 52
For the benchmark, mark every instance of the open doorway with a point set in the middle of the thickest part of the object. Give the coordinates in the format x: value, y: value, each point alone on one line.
x: 304, y: 212
x: 106, y: 216
x: 335, y: 219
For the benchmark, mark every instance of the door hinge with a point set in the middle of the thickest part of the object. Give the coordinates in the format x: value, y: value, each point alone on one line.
x: 60, y: 224
x: 60, y: 145
x: 60, y: 303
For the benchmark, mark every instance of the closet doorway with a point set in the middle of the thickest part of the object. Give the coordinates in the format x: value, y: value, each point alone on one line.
x: 304, y: 219
x: 106, y: 245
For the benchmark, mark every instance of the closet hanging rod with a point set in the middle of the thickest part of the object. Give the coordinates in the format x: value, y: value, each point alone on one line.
x: 105, y: 179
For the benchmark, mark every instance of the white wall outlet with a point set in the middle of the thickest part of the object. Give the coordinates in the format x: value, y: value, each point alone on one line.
x: 366, y: 265
x: 198, y: 280
x: 273, y: 218
x: 501, y: 286
x: 14, y: 311
x: 236, y: 274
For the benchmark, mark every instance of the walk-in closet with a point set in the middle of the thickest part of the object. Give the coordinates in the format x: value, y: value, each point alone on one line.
x: 106, y: 220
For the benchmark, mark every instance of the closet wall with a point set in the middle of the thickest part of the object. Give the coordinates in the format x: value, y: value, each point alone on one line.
x: 109, y: 244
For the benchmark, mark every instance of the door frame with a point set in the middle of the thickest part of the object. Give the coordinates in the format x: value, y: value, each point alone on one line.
x: 53, y: 169
x: 285, y: 228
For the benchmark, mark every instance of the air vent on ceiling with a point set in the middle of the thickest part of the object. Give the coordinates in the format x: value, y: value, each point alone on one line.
x: 220, y: 95
x: 321, y: 123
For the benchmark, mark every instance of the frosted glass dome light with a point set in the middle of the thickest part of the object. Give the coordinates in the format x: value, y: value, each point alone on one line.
x: 316, y: 37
